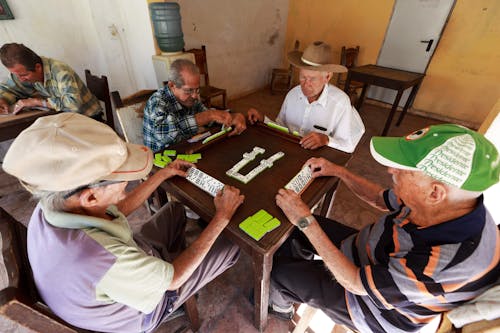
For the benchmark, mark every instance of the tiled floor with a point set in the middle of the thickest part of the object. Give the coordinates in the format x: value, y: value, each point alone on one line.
x: 223, y: 304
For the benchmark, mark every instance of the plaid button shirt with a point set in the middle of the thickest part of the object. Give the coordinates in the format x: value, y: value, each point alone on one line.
x: 61, y: 86
x: 166, y: 121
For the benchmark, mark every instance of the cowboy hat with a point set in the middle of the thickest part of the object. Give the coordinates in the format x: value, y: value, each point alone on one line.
x: 316, y: 57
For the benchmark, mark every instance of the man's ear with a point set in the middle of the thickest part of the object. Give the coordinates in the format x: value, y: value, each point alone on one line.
x: 170, y: 84
x: 87, y: 198
x: 328, y: 76
x: 438, y: 193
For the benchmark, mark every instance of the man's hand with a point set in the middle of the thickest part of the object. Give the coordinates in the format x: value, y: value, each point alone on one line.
x: 322, y: 167
x: 254, y: 116
x: 314, y: 140
x: 292, y: 205
x: 238, y: 123
x: 226, y: 202
x: 221, y: 117
x: 176, y: 168
x: 4, y: 106
x: 26, y: 103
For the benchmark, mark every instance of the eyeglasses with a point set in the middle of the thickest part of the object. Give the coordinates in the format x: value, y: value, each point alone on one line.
x: 191, y: 91
x: 311, y: 79
x: 102, y: 183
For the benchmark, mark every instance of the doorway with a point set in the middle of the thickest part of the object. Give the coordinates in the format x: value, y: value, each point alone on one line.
x: 411, y: 39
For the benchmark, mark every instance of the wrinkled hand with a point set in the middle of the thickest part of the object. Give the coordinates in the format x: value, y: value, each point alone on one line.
x: 221, y: 117
x: 176, y: 168
x: 314, y: 140
x: 254, y: 116
x: 226, y: 202
x: 322, y: 167
x: 292, y: 205
x: 4, y: 106
x: 25, y: 103
x: 238, y: 123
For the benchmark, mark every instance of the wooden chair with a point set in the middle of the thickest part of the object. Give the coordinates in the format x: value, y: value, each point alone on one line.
x: 348, y: 58
x: 129, y: 112
x: 100, y: 88
x: 207, y: 92
x: 20, y: 303
x: 280, y: 75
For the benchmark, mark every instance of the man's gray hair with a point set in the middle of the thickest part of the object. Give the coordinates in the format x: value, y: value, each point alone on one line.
x: 179, y: 65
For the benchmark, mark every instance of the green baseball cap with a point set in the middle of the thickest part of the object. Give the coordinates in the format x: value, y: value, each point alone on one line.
x: 452, y: 154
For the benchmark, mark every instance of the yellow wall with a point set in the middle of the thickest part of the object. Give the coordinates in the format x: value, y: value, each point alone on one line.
x: 463, y: 79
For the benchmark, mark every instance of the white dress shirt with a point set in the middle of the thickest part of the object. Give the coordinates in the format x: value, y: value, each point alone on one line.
x: 331, y: 114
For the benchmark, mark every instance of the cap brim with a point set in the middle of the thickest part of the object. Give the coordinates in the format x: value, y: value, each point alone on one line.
x: 295, y: 58
x: 388, y: 152
x: 137, y: 165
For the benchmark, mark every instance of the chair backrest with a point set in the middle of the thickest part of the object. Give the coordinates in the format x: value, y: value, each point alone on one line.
x: 20, y: 302
x: 295, y: 48
x: 100, y: 88
x: 130, y: 114
x: 349, y: 56
x: 200, y: 57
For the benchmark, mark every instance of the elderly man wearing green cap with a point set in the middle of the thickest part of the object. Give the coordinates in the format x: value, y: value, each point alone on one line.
x: 319, y: 112
x: 88, y: 266
x: 437, y: 247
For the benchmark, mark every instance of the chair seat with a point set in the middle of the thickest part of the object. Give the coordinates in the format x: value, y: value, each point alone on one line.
x: 211, y: 91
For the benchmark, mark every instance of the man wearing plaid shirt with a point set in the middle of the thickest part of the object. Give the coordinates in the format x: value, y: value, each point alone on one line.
x: 38, y: 81
x: 175, y: 113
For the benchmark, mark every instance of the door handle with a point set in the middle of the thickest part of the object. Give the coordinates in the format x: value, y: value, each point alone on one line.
x: 429, y: 44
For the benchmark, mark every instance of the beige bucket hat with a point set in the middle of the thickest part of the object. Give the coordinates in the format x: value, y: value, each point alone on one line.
x: 316, y: 57
x: 68, y: 150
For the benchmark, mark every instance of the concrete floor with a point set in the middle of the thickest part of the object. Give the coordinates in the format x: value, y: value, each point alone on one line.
x: 223, y: 304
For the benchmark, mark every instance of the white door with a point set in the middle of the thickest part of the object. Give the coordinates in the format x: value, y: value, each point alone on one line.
x: 410, y: 40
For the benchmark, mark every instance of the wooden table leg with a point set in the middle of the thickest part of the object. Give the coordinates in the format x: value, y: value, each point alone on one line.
x: 393, y: 111
x: 327, y: 199
x: 262, y: 265
x: 361, y: 97
x: 409, y: 102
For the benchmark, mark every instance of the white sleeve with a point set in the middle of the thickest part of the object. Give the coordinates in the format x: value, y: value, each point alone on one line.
x: 348, y: 131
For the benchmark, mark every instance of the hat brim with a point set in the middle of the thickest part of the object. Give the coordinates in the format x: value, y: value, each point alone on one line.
x: 137, y: 165
x: 295, y: 58
x: 388, y: 152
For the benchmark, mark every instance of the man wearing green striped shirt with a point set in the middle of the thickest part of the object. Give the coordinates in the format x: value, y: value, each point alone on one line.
x: 37, y: 81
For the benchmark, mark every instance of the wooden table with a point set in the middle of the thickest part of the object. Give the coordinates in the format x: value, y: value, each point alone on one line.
x: 12, y: 125
x: 220, y: 155
x: 387, y: 78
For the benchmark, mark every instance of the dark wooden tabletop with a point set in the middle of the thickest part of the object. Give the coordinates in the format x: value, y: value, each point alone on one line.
x: 11, y: 125
x: 385, y: 77
x: 220, y: 155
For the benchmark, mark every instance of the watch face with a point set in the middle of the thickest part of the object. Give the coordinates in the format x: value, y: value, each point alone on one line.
x: 304, y: 222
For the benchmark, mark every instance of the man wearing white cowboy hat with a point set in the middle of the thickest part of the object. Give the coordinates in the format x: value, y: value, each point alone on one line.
x: 320, y: 112
x: 88, y: 266
x: 437, y: 247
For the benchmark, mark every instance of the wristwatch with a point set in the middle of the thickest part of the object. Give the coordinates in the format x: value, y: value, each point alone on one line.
x: 304, y: 222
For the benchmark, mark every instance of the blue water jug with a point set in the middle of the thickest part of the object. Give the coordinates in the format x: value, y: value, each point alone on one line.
x: 167, y: 26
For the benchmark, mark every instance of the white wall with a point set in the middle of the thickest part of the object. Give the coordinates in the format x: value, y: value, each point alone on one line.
x: 111, y: 37
x: 244, y: 39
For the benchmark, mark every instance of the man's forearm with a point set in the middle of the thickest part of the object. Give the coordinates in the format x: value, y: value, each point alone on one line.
x: 137, y: 196
x: 189, y: 260
x: 366, y: 190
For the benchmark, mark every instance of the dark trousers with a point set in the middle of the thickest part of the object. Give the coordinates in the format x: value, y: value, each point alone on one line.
x: 165, y: 231
x: 298, y: 278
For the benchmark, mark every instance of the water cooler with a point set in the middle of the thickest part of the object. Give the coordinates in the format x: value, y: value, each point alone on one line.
x: 166, y: 19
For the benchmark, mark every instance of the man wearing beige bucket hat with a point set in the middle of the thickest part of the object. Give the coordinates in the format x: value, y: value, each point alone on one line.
x: 320, y: 112
x: 88, y: 265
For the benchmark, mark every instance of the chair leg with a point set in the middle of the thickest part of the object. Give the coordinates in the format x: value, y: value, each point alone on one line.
x: 305, y: 319
x: 192, y: 313
x: 224, y: 105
